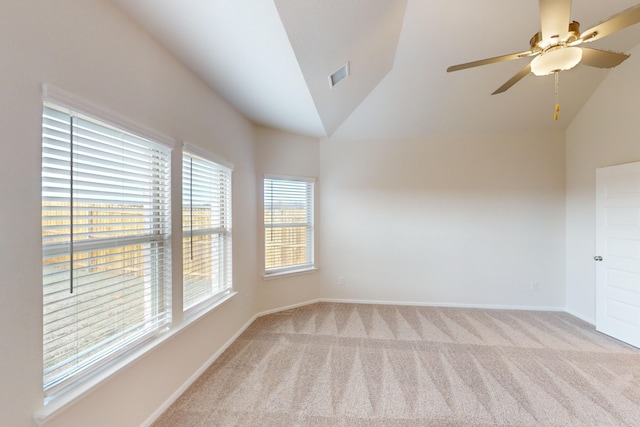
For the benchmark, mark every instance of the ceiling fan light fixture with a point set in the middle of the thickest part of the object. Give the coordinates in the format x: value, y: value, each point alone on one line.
x: 558, y: 58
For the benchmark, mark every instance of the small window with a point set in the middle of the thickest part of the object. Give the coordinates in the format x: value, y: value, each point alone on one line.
x: 288, y: 225
x: 105, y: 243
x: 206, y: 229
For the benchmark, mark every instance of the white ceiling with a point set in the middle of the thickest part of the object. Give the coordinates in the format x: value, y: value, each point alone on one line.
x: 271, y: 59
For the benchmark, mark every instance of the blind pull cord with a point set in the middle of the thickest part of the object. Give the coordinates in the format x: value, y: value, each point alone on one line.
x: 191, y: 208
x: 71, y: 205
x: 271, y: 209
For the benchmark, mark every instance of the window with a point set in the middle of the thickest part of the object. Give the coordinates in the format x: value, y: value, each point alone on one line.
x: 105, y: 243
x: 206, y: 229
x: 288, y: 225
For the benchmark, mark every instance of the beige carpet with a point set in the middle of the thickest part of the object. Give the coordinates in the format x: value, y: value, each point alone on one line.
x: 371, y: 365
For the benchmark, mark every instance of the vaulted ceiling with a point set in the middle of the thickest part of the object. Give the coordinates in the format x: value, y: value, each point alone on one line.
x: 271, y: 59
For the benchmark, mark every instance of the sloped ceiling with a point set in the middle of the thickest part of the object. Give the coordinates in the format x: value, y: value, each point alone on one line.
x: 271, y: 60
x: 328, y: 34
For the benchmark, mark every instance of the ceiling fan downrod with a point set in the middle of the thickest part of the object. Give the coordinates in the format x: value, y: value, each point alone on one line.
x: 557, y: 109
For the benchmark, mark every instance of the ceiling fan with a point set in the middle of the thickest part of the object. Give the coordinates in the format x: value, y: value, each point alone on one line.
x: 557, y: 47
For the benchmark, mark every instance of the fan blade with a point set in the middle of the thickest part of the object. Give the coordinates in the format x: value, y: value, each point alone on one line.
x: 616, y: 23
x: 555, y: 16
x: 491, y: 60
x: 513, y: 80
x: 602, y: 58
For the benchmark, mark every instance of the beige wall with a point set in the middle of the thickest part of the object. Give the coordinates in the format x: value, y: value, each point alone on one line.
x: 448, y: 220
x: 606, y: 132
x: 461, y: 220
x: 92, y: 50
x: 282, y: 153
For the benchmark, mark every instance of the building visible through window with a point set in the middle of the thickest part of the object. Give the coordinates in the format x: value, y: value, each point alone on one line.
x: 206, y: 229
x: 288, y: 225
x: 105, y: 243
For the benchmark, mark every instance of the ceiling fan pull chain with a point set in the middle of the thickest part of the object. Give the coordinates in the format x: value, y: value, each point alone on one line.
x: 555, y: 114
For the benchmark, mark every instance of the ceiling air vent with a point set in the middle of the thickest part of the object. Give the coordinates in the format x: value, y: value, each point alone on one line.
x: 341, y: 74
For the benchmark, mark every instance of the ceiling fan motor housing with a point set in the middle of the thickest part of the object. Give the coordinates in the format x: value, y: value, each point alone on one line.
x: 557, y: 47
x: 538, y: 44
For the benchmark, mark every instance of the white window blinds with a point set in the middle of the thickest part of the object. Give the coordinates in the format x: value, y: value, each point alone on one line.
x: 105, y: 241
x: 288, y: 224
x: 206, y: 229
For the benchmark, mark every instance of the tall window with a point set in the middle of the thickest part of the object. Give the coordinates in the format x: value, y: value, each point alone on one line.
x: 206, y: 229
x: 105, y: 243
x: 288, y: 225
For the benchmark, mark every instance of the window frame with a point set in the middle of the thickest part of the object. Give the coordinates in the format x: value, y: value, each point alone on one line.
x: 224, y: 231
x: 54, y: 403
x: 159, y: 269
x: 309, y: 265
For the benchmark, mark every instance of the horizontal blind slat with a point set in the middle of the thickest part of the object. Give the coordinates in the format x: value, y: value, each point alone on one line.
x: 117, y: 218
x: 288, y: 222
x: 206, y: 189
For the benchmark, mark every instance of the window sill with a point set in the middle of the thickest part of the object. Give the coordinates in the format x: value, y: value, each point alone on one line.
x: 56, y: 404
x: 198, y: 311
x: 281, y: 274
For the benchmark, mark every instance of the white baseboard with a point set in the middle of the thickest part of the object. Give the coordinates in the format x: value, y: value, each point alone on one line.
x: 443, y: 304
x: 580, y: 316
x: 288, y: 307
x: 176, y: 394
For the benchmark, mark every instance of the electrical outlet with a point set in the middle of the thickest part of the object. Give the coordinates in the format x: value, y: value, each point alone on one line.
x: 535, y: 286
x: 247, y: 300
x: 341, y: 280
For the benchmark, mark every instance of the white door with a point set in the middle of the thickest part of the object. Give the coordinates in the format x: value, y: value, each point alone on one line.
x: 618, y: 252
